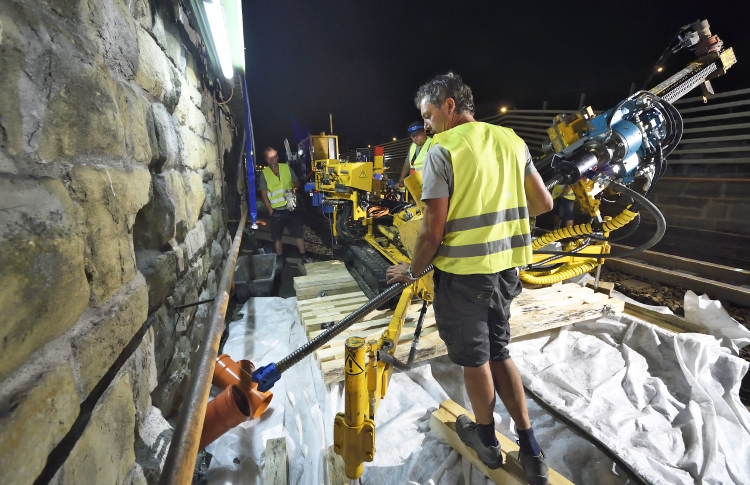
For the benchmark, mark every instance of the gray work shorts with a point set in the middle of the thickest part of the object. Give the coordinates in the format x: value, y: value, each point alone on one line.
x: 472, y: 313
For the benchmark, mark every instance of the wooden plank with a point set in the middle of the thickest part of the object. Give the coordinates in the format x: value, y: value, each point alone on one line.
x: 429, y: 347
x: 336, y: 473
x: 336, y: 352
x: 275, y: 468
x: 443, y: 423
x: 323, y: 299
x: 314, y: 292
x: 664, y: 320
x: 714, y: 289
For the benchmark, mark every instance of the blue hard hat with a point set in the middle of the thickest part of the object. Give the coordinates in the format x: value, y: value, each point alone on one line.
x: 415, y: 127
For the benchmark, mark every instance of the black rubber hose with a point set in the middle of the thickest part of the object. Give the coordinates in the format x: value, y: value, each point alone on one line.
x: 342, y: 325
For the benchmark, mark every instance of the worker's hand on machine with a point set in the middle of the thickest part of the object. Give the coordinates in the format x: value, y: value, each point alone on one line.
x: 397, y: 273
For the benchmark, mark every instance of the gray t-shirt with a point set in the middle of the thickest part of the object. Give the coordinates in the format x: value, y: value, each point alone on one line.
x: 437, y: 173
x: 263, y: 185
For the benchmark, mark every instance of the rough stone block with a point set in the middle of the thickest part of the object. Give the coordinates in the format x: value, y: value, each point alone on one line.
x: 34, y: 423
x: 208, y: 225
x: 168, y: 38
x: 670, y: 187
x: 11, y: 63
x: 111, y: 26
x: 739, y: 212
x: 134, y: 112
x: 83, y: 118
x: 159, y: 269
x: 152, y: 445
x: 143, y: 377
x: 217, y: 255
x: 155, y: 73
x: 169, y: 392
x: 43, y: 287
x: 733, y: 227
x: 190, y: 70
x: 682, y: 202
x: 135, y: 476
x: 105, y: 331
x: 689, y: 222
x: 194, y: 197
x: 196, y: 241
x: 108, y: 201
x: 155, y: 223
x: 104, y: 454
x: 195, y: 150
x: 163, y: 323
x: 166, y: 145
x: 141, y: 11
x: 175, y: 188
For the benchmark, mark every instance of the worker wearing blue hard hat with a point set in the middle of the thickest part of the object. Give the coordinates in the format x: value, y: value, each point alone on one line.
x: 420, y: 143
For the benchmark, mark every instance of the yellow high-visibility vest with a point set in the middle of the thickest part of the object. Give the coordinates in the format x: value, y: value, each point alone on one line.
x: 277, y: 185
x: 487, y: 229
x: 418, y: 162
x: 558, y: 190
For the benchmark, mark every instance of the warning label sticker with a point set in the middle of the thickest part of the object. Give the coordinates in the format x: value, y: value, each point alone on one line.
x: 362, y: 175
x: 351, y: 367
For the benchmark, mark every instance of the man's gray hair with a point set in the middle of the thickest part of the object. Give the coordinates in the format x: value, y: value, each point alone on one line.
x: 447, y: 86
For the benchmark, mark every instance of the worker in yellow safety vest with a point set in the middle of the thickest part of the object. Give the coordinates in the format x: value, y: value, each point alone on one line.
x: 563, y: 206
x: 420, y: 143
x: 277, y: 186
x: 479, y: 189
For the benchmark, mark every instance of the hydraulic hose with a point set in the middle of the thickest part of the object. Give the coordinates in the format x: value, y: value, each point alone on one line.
x: 585, y: 229
x: 571, y: 271
x: 266, y: 376
x: 661, y: 223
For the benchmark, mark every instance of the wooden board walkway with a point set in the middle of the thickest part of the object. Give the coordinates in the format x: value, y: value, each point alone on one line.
x: 324, y: 278
x: 443, y: 424
x: 532, y: 311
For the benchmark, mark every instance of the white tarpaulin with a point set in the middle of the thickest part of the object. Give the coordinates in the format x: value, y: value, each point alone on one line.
x: 666, y: 404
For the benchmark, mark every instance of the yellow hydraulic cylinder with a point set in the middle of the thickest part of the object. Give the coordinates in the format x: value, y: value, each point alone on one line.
x: 353, y: 430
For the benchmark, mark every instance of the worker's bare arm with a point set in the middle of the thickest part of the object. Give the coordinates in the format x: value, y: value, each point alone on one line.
x: 404, y: 172
x: 428, y: 240
x: 538, y: 198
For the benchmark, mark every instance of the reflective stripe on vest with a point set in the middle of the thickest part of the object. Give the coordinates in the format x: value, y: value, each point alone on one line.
x: 277, y: 185
x: 418, y: 163
x: 487, y: 229
x: 558, y: 190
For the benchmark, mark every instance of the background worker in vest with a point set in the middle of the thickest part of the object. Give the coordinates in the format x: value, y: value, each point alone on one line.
x: 276, y: 181
x: 420, y: 143
x: 563, y: 198
x: 479, y: 189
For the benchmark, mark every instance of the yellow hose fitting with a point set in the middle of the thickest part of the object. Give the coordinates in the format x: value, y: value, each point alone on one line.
x: 583, y: 229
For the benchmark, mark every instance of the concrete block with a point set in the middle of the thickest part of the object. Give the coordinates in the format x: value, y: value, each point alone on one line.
x: 717, y: 209
x: 83, y: 118
x: 739, y: 212
x: 103, y: 332
x: 104, y: 454
x: 737, y: 190
x: 34, y: 422
x: 43, y: 286
x: 733, y: 227
x: 670, y: 188
x: 680, y: 202
x: 704, y: 189
x: 108, y: 200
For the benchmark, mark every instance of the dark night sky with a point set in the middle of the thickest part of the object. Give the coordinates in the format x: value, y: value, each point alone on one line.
x: 364, y: 61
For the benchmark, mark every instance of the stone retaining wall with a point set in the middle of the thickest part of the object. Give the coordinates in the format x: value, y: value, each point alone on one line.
x: 111, y: 192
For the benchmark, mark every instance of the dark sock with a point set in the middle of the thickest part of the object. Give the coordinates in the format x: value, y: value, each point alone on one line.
x: 487, y: 434
x: 527, y: 442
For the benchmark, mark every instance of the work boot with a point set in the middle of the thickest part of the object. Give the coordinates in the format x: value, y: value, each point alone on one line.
x: 535, y: 468
x: 467, y: 431
x: 306, y: 259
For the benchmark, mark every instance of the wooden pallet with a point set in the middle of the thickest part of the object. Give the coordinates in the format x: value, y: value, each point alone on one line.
x: 327, y: 277
x: 443, y: 424
x: 531, y: 312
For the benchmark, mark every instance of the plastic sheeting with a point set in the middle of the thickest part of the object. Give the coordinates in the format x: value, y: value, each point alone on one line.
x: 667, y: 404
